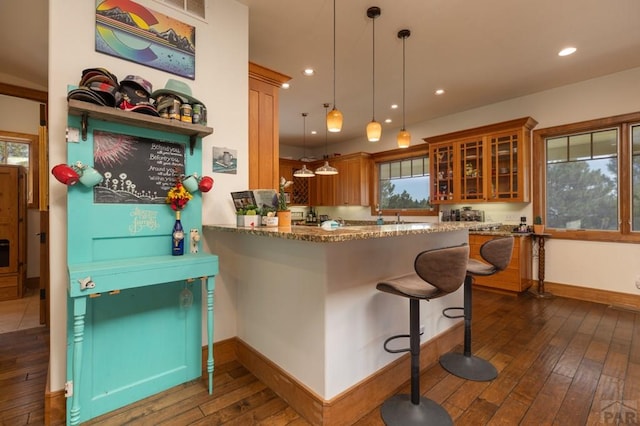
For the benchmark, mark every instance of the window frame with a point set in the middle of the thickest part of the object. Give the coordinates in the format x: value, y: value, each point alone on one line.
x: 398, y: 154
x: 33, y: 180
x: 623, y: 124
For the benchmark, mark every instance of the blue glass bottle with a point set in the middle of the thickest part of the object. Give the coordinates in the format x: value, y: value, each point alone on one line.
x: 177, y: 237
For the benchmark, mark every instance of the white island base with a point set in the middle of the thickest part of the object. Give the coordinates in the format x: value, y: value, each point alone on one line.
x: 311, y: 323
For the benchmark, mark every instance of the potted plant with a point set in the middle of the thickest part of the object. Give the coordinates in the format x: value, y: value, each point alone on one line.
x: 248, y: 216
x: 284, y: 214
x: 269, y: 217
x: 538, y: 227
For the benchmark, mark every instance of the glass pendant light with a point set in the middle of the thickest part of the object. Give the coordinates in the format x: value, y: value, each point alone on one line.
x: 304, y: 172
x: 334, y: 118
x: 404, y: 137
x: 374, y: 129
x: 326, y: 169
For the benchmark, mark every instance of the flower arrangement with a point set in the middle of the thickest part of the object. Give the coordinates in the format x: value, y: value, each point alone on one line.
x: 282, y: 199
x: 178, y: 197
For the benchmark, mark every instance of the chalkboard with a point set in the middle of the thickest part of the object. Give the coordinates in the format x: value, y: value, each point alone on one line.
x: 136, y: 170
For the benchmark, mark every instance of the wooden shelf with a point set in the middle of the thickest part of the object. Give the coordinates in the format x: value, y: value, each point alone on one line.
x: 88, y: 110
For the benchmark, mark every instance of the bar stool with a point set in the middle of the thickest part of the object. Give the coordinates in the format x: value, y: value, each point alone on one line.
x: 438, y: 272
x: 497, y: 252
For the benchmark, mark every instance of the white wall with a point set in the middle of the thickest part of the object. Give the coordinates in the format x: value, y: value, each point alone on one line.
x: 221, y: 83
x: 608, y: 266
x: 23, y: 116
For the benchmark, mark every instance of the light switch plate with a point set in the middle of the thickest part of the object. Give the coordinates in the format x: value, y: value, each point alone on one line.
x: 73, y: 134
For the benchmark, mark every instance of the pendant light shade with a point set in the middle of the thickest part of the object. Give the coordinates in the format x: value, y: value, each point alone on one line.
x: 374, y: 129
x: 326, y: 169
x: 404, y: 137
x: 304, y: 172
x: 334, y: 118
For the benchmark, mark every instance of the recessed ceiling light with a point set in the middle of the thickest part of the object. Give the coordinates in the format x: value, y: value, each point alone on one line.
x: 388, y: 120
x: 394, y: 106
x: 439, y: 92
x: 285, y: 85
x: 308, y: 72
x: 314, y: 132
x: 567, y: 51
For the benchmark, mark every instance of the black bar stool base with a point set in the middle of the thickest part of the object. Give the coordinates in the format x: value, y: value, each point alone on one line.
x: 399, y: 410
x: 468, y: 367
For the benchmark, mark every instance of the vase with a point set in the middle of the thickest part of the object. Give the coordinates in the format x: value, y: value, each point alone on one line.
x: 177, y: 237
x: 284, y: 219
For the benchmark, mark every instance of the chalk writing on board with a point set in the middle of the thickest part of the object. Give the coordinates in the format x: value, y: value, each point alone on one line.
x: 136, y: 170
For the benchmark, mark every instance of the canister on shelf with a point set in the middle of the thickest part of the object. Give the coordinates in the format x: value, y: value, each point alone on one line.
x: 199, y: 114
x: 186, y: 113
x: 174, y: 110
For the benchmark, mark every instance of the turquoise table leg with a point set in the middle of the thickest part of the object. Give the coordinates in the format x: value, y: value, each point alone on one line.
x: 210, y: 286
x: 79, y: 312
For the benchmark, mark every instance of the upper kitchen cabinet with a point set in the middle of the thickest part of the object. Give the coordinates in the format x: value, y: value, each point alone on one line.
x: 484, y: 164
x: 264, y: 85
x: 350, y: 187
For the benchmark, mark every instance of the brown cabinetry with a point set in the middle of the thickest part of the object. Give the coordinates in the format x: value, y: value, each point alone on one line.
x: 264, y: 150
x: 350, y: 187
x: 517, y: 276
x: 484, y: 164
x: 299, y: 191
x: 13, y: 222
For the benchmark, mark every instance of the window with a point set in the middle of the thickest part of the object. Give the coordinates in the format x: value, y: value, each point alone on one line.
x: 401, y: 183
x: 588, y: 185
x: 22, y: 150
x: 193, y: 7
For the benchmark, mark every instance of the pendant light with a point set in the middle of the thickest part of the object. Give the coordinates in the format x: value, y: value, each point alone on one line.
x: 334, y: 118
x: 326, y: 169
x: 404, y: 137
x: 304, y: 172
x: 374, y: 129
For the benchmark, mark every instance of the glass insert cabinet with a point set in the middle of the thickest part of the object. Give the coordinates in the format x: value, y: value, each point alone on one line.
x: 483, y: 164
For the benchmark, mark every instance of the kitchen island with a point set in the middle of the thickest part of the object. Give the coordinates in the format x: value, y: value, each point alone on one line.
x: 309, y: 318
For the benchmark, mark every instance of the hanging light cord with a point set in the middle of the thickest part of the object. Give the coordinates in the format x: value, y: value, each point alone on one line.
x: 373, y: 81
x: 326, y: 144
x: 404, y: 39
x: 334, y: 54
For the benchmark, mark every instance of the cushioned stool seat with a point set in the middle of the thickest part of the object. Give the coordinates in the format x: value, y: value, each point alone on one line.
x: 497, y: 252
x: 438, y: 272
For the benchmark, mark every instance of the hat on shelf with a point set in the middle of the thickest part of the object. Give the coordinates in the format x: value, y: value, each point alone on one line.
x: 176, y: 88
x: 135, y: 92
x: 97, y: 86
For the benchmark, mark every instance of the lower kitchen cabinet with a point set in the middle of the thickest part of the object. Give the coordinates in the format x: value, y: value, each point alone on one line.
x: 517, y: 276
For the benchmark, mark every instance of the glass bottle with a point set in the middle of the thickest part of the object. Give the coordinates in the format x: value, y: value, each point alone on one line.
x: 177, y: 237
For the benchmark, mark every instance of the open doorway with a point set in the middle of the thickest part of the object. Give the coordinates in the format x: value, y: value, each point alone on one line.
x: 27, y: 145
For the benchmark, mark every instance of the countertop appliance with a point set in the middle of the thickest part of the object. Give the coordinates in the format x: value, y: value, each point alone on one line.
x: 462, y: 215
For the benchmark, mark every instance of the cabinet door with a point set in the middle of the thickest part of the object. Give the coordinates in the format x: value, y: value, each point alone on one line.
x: 506, y: 174
x: 442, y: 187
x: 470, y: 160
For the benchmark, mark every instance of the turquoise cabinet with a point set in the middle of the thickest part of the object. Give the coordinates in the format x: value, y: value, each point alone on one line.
x: 134, y: 311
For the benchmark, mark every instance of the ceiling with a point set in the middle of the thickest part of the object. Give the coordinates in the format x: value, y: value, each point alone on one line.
x: 480, y: 52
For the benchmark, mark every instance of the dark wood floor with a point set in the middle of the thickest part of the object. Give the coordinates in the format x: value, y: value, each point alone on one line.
x: 560, y: 361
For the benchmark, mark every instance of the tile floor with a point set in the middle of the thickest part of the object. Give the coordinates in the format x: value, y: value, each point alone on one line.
x: 22, y: 313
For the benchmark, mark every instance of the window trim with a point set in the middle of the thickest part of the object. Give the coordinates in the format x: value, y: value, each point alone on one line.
x: 623, y: 124
x: 396, y: 155
x: 34, y: 170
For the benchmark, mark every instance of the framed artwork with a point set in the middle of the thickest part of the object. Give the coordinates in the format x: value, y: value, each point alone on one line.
x: 225, y: 160
x: 130, y: 31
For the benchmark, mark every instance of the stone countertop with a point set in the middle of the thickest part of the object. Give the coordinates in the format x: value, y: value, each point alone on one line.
x: 347, y: 233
